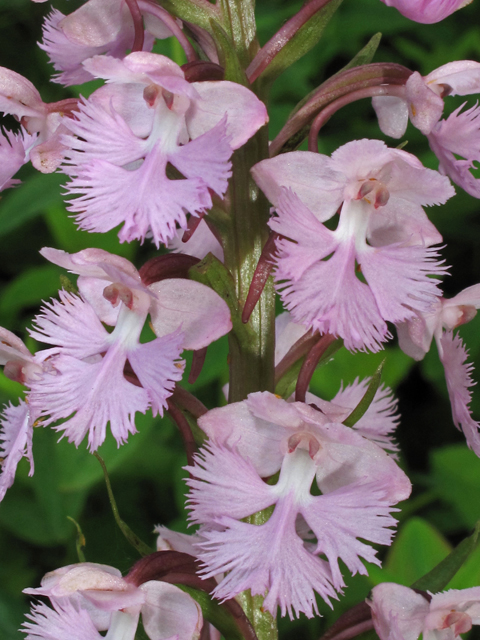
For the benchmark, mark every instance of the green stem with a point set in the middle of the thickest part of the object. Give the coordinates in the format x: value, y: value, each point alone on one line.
x: 244, y: 231
x: 251, y: 360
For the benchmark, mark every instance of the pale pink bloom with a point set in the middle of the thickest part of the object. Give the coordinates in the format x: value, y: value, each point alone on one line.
x: 97, y: 27
x: 415, y: 337
x: 427, y: 11
x: 146, y: 118
x: 400, y: 613
x: 106, y: 601
x: 274, y: 556
x: 259, y: 437
x: 86, y: 384
x: 86, y: 381
x: 106, y: 280
x: 263, y: 428
x: 423, y: 105
x: 423, y: 101
x: 14, y: 153
x: 376, y: 266
x: 18, y: 97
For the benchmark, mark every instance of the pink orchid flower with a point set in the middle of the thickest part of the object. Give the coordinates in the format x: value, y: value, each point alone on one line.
x: 458, y: 135
x: 18, y: 97
x: 400, y: 613
x: 93, y: 597
x: 147, y: 117
x: 376, y: 266
x: 97, y: 27
x: 415, y: 337
x: 86, y: 382
x: 259, y: 437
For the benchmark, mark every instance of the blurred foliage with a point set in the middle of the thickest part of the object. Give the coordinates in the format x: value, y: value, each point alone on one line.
x: 147, y: 477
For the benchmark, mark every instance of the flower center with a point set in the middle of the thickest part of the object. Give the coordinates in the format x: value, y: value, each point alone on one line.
x: 374, y: 192
x: 458, y: 621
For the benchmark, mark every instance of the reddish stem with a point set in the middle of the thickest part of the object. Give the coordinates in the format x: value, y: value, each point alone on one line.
x: 137, y: 25
x: 198, y: 361
x: 185, y: 431
x: 185, y: 400
x: 310, y: 364
x: 200, y: 70
x: 172, y: 265
x: 299, y: 349
x: 345, y: 82
x: 351, y: 623
x: 159, y: 12
x: 263, y: 269
x: 326, y: 113
x: 268, y: 52
x: 192, y: 226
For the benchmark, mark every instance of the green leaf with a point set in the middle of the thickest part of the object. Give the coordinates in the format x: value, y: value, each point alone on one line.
x: 78, y: 468
x: 456, y: 478
x: 301, y: 43
x: 28, y: 289
x: 29, y: 200
x: 347, y: 366
x: 418, y: 548
x: 365, y: 55
x: 36, y: 509
x: 362, y: 407
x: 438, y: 578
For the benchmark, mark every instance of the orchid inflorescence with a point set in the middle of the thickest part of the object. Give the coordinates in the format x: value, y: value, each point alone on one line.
x: 288, y: 491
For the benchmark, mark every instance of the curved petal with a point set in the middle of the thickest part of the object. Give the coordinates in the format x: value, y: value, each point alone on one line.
x: 222, y: 483
x: 341, y: 517
x: 18, y: 96
x: 169, y: 613
x: 256, y: 440
x: 309, y: 175
x: 97, y: 22
x: 461, y: 76
x: 392, y: 115
x: 244, y: 111
x: 428, y: 11
x: 194, y: 308
x: 397, y: 611
x: 425, y: 107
